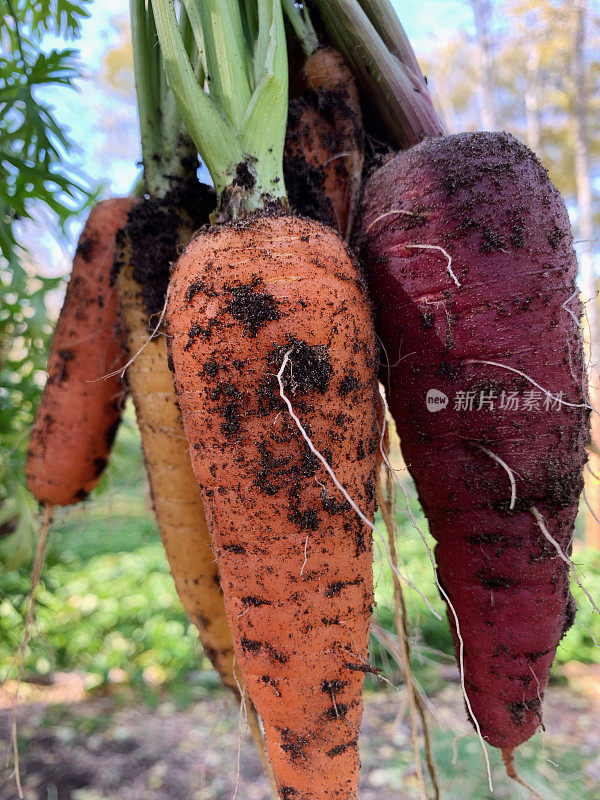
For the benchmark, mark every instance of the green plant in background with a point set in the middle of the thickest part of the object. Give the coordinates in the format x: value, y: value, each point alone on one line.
x: 106, y: 599
x: 35, y: 178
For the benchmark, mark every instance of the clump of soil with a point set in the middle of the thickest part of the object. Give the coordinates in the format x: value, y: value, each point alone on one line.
x: 252, y: 308
x: 310, y: 367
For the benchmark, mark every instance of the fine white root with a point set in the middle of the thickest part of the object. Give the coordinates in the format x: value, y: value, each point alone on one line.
x: 537, y: 385
x: 336, y: 156
x: 241, y: 719
x: 461, y: 660
x: 595, y: 451
x: 337, y: 483
x: 509, y: 472
x: 394, y: 212
x: 305, y: 554
x: 401, y: 358
x: 542, y: 526
x: 249, y: 715
x: 537, y: 683
x: 386, y: 505
x: 444, y: 252
x: 121, y: 372
x: 589, y: 632
x: 571, y: 314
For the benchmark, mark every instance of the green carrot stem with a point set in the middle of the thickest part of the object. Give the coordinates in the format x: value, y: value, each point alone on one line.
x: 227, y: 57
x: 399, y: 95
x: 192, y: 14
x: 249, y: 13
x: 147, y: 96
x: 300, y: 21
x: 166, y: 150
x: 221, y: 150
x: 385, y: 20
x: 239, y: 128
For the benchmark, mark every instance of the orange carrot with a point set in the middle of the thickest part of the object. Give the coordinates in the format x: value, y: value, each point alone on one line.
x: 79, y: 414
x: 273, y: 351
x: 249, y: 300
x: 325, y: 143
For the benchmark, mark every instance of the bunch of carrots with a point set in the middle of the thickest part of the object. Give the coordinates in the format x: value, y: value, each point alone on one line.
x: 340, y: 214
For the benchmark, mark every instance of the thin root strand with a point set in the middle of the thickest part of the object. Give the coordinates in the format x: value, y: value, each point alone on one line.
x: 338, y: 485
x: 441, y: 250
x: 40, y: 555
x: 542, y: 526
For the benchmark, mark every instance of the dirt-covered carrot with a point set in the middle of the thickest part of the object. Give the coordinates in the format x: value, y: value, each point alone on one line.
x: 272, y: 346
x: 158, y: 228
x: 295, y: 561
x: 80, y: 411
x: 397, y: 104
x: 147, y: 250
x: 472, y: 270
x: 149, y: 244
x: 324, y: 152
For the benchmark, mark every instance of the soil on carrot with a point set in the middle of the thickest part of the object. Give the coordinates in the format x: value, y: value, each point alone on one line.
x: 127, y: 746
x: 305, y: 182
x: 154, y: 229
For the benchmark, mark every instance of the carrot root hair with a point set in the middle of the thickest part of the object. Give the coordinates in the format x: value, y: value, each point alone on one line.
x: 444, y: 594
x: 386, y: 501
x: 562, y: 555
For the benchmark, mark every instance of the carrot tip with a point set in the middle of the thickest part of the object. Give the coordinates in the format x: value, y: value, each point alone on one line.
x: 508, y: 756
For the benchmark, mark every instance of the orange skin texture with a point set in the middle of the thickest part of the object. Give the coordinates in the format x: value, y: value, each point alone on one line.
x: 330, y: 137
x: 79, y: 413
x: 294, y: 558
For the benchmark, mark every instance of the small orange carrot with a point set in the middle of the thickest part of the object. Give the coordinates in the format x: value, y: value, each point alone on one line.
x: 79, y: 414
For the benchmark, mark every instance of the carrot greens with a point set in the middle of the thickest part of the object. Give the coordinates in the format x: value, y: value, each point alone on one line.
x: 236, y: 111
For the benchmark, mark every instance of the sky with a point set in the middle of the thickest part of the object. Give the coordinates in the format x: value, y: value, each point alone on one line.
x: 104, y: 124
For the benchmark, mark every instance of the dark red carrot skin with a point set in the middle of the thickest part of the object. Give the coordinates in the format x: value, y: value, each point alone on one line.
x: 489, y: 203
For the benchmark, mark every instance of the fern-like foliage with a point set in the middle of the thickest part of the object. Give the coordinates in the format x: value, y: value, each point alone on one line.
x: 34, y: 178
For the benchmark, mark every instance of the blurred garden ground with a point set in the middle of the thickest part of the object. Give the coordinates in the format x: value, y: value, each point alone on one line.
x: 120, y: 703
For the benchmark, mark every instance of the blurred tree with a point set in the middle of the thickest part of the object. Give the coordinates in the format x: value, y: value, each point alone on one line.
x: 117, y: 106
x: 453, y: 70
x: 586, y: 229
x: 482, y: 13
x: 533, y: 86
x: 34, y: 179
